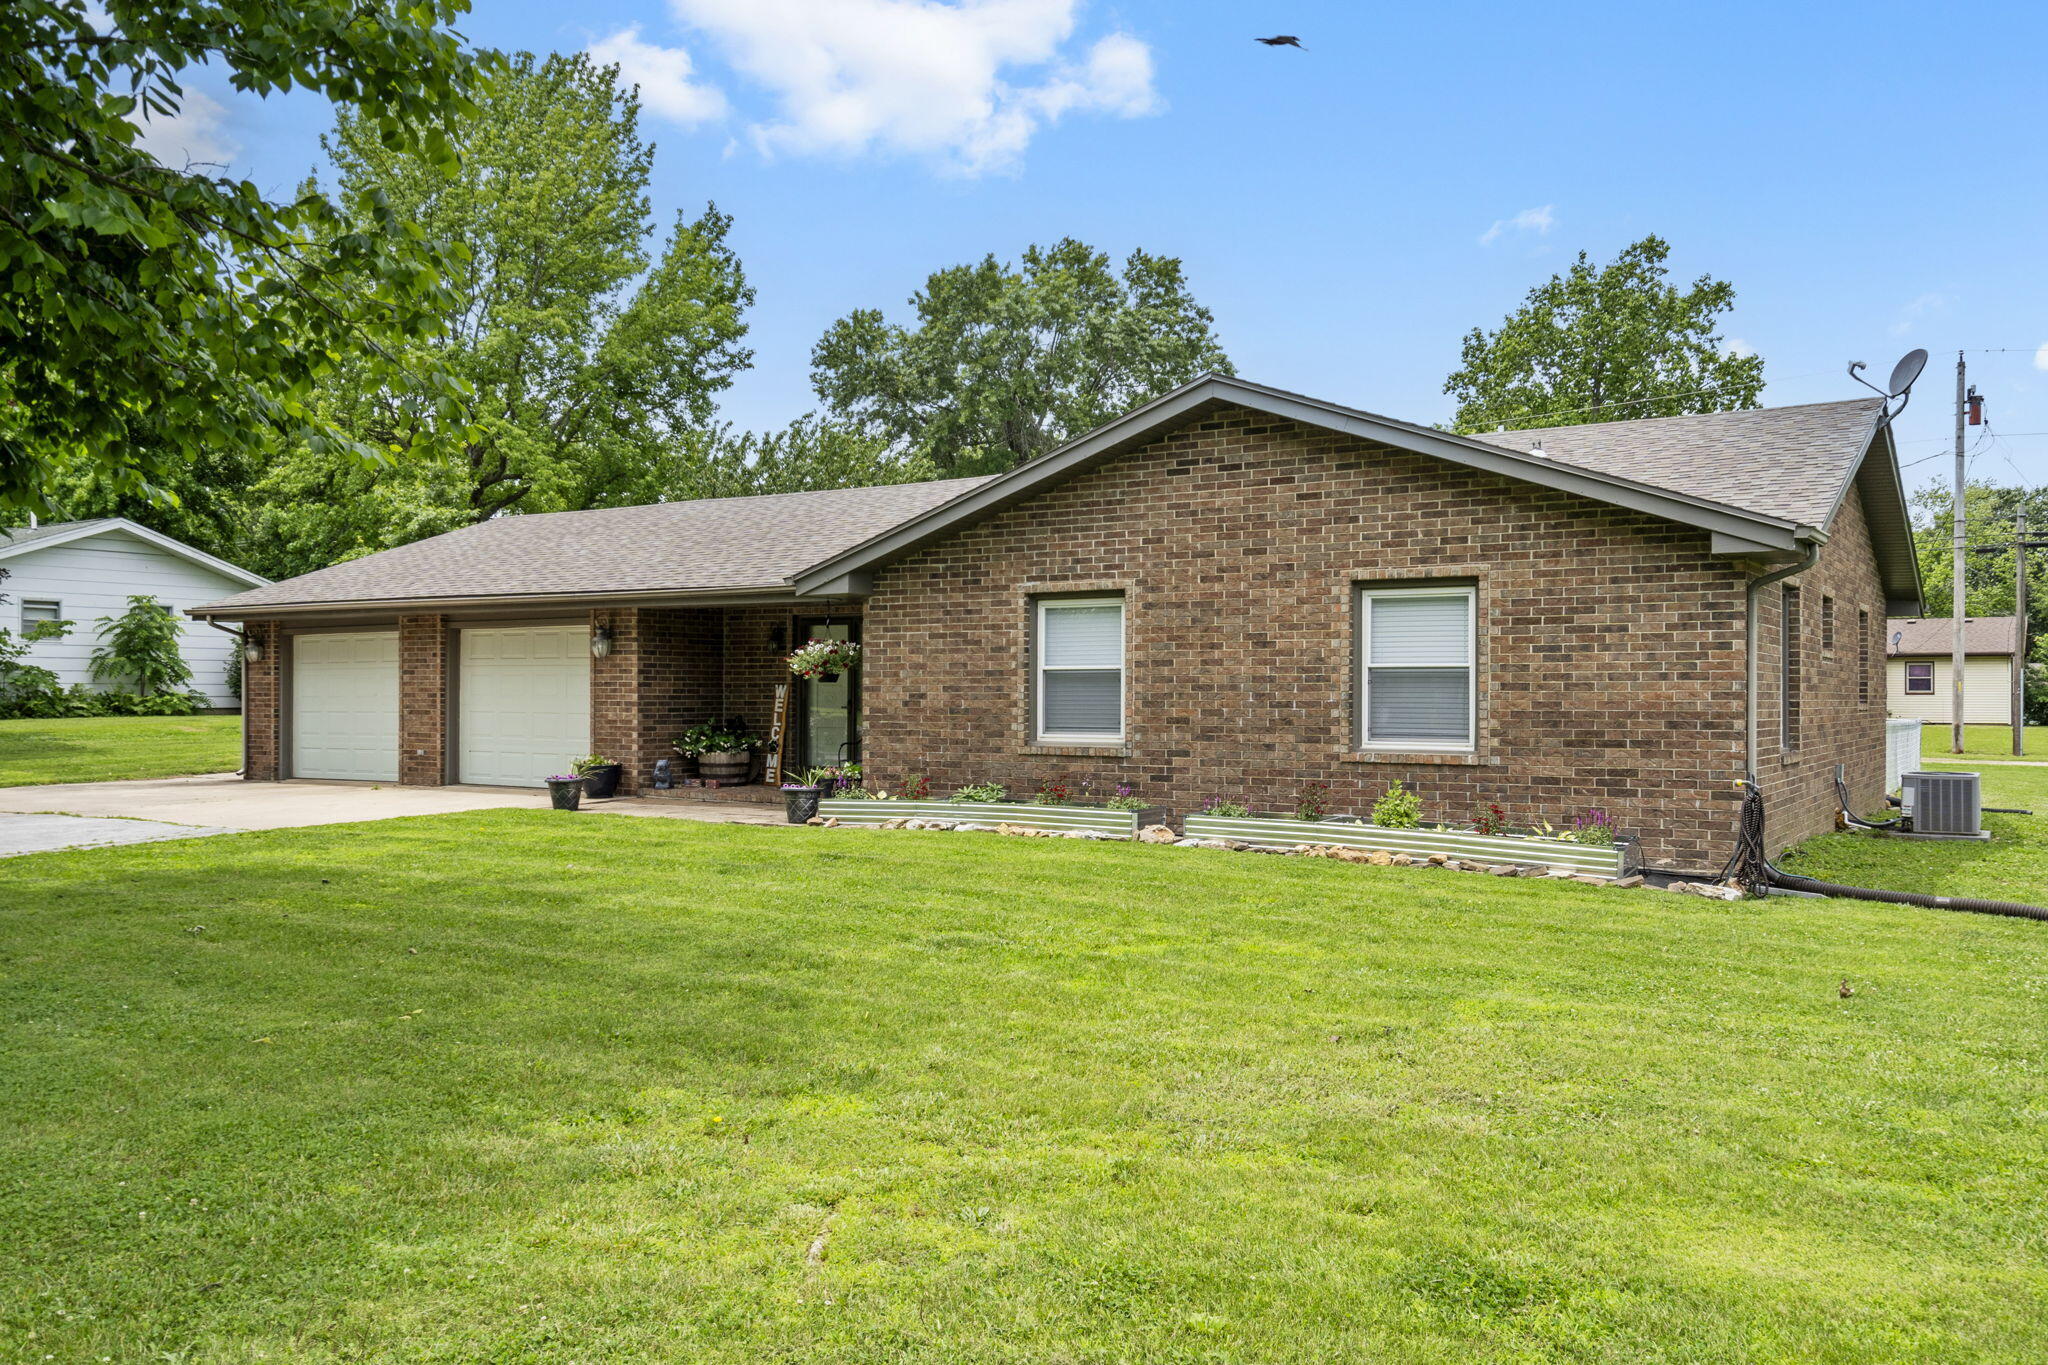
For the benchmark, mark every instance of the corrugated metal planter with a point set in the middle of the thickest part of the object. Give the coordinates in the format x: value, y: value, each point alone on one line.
x: 1522, y: 850
x: 853, y: 811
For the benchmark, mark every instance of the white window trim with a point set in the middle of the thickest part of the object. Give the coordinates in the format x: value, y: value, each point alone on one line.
x: 28, y: 602
x: 1367, y: 744
x: 1039, y: 670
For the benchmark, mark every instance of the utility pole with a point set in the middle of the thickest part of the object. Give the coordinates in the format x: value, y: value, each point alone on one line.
x: 2019, y: 611
x: 1960, y: 596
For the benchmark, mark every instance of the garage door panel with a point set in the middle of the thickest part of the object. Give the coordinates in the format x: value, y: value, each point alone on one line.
x: 345, y: 706
x: 524, y: 708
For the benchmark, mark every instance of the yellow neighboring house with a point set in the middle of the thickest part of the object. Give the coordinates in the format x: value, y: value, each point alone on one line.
x: 1918, y: 650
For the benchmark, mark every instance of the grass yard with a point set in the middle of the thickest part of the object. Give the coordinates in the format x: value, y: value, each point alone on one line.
x: 111, y: 748
x: 1984, y: 741
x: 2013, y: 866
x: 524, y: 1086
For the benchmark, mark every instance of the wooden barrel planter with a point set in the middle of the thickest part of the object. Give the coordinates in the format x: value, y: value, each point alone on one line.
x: 731, y: 767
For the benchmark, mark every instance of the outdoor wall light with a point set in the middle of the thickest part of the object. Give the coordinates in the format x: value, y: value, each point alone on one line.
x: 778, y: 638
x: 600, y: 641
x: 252, y: 649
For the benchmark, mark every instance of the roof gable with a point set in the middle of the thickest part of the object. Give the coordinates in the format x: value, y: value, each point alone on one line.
x: 24, y: 539
x: 1754, y: 513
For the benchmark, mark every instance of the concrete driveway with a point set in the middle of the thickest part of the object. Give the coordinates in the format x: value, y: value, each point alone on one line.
x: 93, y: 814
x: 89, y: 814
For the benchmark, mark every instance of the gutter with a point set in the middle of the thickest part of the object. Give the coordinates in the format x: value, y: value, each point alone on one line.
x: 358, y: 605
x: 1813, y: 541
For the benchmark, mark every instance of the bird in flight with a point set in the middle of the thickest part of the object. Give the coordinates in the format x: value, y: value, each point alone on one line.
x: 1281, y: 40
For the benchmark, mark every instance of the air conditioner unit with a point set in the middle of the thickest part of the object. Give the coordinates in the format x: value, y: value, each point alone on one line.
x: 1942, y: 803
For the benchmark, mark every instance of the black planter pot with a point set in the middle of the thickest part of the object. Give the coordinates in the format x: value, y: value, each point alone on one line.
x: 600, y: 783
x: 828, y: 677
x: 800, y: 803
x: 566, y: 795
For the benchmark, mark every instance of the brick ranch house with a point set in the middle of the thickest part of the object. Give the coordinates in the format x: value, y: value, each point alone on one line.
x: 1230, y: 591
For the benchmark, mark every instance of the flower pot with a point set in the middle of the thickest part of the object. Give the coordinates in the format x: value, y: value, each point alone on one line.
x: 828, y: 677
x: 800, y: 803
x: 600, y: 783
x: 567, y: 795
x: 731, y: 767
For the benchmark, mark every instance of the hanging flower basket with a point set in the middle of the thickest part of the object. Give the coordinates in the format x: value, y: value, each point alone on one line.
x: 824, y: 660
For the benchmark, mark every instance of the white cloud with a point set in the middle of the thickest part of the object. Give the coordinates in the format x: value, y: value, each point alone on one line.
x: 2041, y: 357
x: 197, y: 134
x: 967, y: 83
x: 664, y: 77
x: 1739, y: 348
x: 1539, y: 221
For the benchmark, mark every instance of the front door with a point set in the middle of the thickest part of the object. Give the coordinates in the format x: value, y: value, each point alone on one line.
x: 828, y: 712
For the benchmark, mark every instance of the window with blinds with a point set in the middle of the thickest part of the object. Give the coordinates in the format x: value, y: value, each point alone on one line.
x: 1080, y: 684
x: 1415, y: 668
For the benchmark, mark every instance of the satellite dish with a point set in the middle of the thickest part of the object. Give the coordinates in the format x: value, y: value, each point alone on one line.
x: 1907, y: 370
x: 1901, y: 388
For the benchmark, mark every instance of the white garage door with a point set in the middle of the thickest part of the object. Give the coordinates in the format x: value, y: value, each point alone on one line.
x: 524, y: 712
x: 345, y: 705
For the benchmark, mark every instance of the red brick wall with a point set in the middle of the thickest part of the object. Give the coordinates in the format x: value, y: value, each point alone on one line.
x: 262, y: 694
x: 1610, y: 656
x: 663, y: 673
x: 1834, y: 725
x: 422, y: 701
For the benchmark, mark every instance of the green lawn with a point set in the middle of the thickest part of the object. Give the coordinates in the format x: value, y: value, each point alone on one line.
x: 526, y: 1086
x: 109, y: 748
x: 2013, y: 866
x: 1984, y: 741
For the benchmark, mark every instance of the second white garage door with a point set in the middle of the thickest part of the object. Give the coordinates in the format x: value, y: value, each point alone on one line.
x: 524, y: 708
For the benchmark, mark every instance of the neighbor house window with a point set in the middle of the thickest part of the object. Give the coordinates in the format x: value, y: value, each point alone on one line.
x: 1920, y: 680
x: 1788, y: 709
x: 34, y: 613
x: 1863, y: 657
x: 1080, y: 683
x: 1415, y: 651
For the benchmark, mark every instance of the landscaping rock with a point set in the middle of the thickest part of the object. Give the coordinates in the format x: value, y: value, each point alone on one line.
x: 1187, y: 843
x: 1379, y: 857
x: 1628, y: 883
x: 816, y: 820
x: 1351, y: 855
x: 831, y: 822
x: 1223, y: 844
x: 1505, y: 870
x: 1590, y: 878
x: 1439, y: 859
x: 1157, y: 834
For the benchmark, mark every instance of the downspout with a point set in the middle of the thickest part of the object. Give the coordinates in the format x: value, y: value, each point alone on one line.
x: 1813, y: 540
x: 241, y: 638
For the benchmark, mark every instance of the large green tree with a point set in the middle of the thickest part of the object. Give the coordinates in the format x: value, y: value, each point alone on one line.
x: 589, y: 360
x: 1004, y: 362
x: 811, y: 453
x: 1604, y: 343
x: 149, y: 313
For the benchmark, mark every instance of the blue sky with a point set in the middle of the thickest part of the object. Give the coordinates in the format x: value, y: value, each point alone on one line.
x: 1869, y: 177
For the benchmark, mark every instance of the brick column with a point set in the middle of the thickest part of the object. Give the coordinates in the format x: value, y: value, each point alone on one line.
x: 618, y: 725
x: 423, y: 701
x: 263, y: 703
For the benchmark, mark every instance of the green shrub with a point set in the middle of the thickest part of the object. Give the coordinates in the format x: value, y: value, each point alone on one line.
x: 981, y: 791
x: 141, y: 646
x: 1224, y: 806
x: 1399, y: 808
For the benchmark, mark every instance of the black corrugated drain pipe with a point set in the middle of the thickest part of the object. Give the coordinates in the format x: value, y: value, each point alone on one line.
x: 1752, y: 868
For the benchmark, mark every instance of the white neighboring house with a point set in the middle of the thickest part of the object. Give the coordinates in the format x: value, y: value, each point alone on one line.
x: 79, y: 571
x: 1918, y: 653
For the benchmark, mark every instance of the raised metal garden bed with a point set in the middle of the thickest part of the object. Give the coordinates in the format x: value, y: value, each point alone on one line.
x: 1523, y: 850
x: 854, y: 811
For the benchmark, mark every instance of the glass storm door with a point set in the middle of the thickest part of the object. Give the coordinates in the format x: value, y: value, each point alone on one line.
x: 830, y: 709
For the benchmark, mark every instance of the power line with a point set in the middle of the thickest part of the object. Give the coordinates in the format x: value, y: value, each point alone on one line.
x: 1654, y: 398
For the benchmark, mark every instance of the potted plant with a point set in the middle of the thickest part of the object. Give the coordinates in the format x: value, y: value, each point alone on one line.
x: 565, y: 790
x: 824, y: 660
x: 800, y: 798
x: 600, y: 775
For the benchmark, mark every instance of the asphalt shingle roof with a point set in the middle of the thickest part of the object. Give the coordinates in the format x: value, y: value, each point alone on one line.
x: 1791, y: 463
x: 1935, y: 635
x: 709, y: 544
x: 28, y: 535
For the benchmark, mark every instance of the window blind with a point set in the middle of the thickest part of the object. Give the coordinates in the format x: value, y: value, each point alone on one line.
x: 1418, y: 668
x: 1081, y: 669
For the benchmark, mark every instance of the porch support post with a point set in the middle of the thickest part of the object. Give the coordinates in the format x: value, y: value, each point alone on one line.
x: 619, y: 684
x: 263, y: 703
